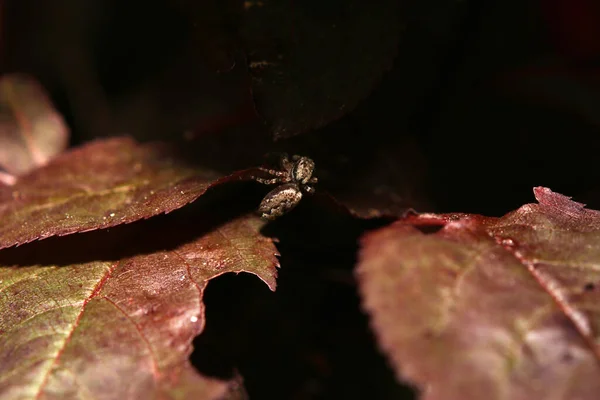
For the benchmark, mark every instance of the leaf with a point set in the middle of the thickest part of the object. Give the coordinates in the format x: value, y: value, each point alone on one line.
x: 102, y: 184
x: 373, y: 181
x: 31, y: 131
x: 495, y: 308
x: 122, y: 328
x: 549, y: 84
x: 312, y: 61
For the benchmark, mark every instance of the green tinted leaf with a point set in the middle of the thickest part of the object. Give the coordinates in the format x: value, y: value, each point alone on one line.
x: 102, y: 184
x: 121, y: 328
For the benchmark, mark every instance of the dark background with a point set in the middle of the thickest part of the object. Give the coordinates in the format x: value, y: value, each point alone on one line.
x: 484, y: 101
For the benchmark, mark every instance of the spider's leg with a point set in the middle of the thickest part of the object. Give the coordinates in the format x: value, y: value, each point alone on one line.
x: 267, y: 181
x: 314, y: 179
x: 286, y: 164
x: 309, y: 189
x: 273, y: 172
x: 277, y: 158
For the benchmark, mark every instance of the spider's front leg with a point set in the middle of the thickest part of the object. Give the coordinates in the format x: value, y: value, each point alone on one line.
x: 286, y: 164
x: 273, y: 172
x: 264, y: 181
x: 281, y: 159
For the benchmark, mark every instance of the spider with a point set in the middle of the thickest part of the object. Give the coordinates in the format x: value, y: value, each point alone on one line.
x: 295, y: 176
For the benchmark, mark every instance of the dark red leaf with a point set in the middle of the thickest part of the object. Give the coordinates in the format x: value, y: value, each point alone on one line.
x: 102, y: 184
x: 31, y: 131
x: 313, y: 61
x: 384, y: 181
x: 574, y: 25
x: 575, y: 90
x: 490, y: 307
x: 123, y: 328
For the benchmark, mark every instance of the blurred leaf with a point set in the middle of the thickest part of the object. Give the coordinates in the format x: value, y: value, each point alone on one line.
x: 550, y: 84
x: 490, y: 308
x: 373, y: 180
x: 122, y: 328
x: 31, y: 131
x: 187, y: 77
x: 313, y: 61
x: 102, y: 184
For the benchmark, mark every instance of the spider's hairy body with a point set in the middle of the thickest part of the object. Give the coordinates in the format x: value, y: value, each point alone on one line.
x: 294, y: 176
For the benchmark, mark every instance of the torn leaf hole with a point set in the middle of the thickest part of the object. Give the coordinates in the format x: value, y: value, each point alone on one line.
x: 430, y: 229
x: 588, y: 287
x: 567, y: 357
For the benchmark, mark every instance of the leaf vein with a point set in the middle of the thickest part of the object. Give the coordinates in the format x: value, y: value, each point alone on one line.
x: 155, y: 368
x: 74, y: 326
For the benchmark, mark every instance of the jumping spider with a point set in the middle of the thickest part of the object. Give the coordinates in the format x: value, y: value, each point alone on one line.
x: 295, y: 176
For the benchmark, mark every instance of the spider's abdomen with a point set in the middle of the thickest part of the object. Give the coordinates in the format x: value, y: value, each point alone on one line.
x: 280, y: 200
